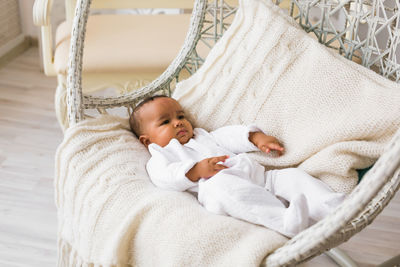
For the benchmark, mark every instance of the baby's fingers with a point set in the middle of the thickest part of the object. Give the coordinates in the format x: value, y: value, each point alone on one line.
x: 215, y: 160
x: 277, y: 147
x: 219, y: 167
x: 272, y: 146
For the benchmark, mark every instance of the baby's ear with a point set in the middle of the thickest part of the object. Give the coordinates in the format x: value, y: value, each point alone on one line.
x: 145, y: 140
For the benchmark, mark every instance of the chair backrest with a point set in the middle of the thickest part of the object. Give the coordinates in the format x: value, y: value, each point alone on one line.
x: 129, y: 4
x: 218, y: 14
x: 337, y: 24
x: 135, y: 4
x: 364, y: 31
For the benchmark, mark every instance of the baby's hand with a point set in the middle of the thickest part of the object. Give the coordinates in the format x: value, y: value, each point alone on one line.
x: 266, y: 143
x: 206, y: 168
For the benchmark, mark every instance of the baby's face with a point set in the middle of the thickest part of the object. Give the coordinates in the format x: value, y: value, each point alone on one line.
x: 162, y: 120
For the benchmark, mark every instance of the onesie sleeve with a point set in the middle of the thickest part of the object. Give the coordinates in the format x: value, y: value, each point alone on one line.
x: 235, y: 138
x: 168, y: 174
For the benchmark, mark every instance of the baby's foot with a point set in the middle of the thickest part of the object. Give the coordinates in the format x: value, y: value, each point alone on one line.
x: 296, y: 216
x: 328, y: 205
x: 334, y: 200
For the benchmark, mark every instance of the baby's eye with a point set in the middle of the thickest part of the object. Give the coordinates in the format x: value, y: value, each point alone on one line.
x: 165, y: 122
x: 181, y: 117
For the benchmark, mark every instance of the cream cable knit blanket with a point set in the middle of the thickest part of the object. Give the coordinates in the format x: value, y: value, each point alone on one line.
x: 332, y: 115
x: 110, y: 214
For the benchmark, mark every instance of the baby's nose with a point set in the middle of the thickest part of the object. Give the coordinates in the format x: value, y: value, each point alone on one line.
x: 178, y: 123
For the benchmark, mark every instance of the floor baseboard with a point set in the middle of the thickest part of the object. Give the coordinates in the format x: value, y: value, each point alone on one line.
x: 17, y: 50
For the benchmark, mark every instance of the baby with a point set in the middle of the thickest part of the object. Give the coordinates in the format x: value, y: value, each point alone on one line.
x: 214, y: 167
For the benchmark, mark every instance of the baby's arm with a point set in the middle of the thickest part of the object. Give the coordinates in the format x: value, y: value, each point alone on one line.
x: 206, y: 168
x: 181, y: 175
x: 239, y: 138
x: 235, y: 138
x: 265, y: 142
x: 169, y: 175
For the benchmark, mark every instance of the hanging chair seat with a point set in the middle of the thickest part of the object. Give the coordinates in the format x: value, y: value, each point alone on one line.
x: 118, y: 209
x: 332, y: 115
x: 125, y: 43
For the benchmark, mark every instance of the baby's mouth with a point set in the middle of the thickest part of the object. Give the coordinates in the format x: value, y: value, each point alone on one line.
x: 182, y: 132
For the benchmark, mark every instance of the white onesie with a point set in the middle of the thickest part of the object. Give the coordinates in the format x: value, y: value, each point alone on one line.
x: 244, y: 190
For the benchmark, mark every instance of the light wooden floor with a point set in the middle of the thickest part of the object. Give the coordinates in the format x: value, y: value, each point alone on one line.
x: 29, y: 135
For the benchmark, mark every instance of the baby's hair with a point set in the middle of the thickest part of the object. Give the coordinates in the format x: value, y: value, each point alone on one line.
x: 134, y: 119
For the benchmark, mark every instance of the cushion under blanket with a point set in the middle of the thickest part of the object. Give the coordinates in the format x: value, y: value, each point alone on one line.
x: 110, y: 214
x: 332, y: 115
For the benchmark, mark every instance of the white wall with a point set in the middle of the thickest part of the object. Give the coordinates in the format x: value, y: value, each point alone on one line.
x: 28, y: 28
x: 11, y: 33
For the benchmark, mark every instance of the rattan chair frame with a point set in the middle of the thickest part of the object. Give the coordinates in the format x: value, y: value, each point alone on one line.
x: 362, y: 206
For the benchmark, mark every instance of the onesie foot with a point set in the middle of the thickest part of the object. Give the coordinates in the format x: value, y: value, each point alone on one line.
x: 296, y: 216
x: 329, y: 204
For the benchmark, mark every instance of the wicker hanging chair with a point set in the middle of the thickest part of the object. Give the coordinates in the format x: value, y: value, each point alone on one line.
x: 368, y: 199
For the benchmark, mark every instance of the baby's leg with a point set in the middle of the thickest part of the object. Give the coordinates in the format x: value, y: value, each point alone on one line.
x: 228, y: 194
x: 288, y: 183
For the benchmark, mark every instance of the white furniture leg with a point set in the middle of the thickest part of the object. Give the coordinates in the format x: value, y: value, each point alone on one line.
x: 341, y: 258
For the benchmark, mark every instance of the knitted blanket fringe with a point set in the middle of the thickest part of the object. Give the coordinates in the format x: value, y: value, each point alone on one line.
x: 68, y: 256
